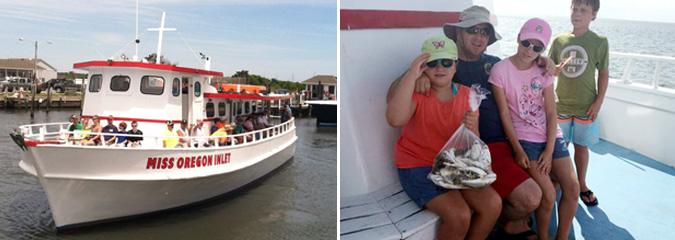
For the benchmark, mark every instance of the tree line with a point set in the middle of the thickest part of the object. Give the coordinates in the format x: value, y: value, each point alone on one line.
x: 272, y: 84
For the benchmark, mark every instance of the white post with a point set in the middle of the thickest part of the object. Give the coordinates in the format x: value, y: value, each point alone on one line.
x: 161, y: 30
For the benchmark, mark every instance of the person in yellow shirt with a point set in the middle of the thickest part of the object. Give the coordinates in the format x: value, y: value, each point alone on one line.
x: 222, y: 132
x: 170, y: 137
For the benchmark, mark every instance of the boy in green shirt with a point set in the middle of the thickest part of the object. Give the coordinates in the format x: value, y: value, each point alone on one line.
x: 74, y: 125
x: 579, y: 101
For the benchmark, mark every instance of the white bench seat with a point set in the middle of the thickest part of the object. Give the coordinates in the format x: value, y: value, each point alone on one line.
x: 387, y: 213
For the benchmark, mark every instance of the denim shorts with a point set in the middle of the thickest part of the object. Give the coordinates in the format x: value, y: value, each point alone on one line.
x: 418, y: 187
x: 533, y: 149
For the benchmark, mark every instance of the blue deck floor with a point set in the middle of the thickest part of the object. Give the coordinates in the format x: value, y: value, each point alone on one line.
x: 636, y: 196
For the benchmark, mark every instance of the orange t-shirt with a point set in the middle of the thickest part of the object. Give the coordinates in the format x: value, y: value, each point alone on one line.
x: 430, y: 127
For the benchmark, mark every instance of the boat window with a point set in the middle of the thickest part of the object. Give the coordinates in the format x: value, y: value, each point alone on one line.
x: 120, y: 83
x: 254, y: 107
x: 239, y: 108
x: 153, y: 85
x: 221, y: 109
x: 95, y: 83
x: 175, y: 89
x: 247, y: 106
x: 198, y: 89
x: 209, y: 110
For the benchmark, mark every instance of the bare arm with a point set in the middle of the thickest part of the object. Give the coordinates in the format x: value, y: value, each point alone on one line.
x: 401, y: 107
x: 603, y: 81
x: 502, y: 104
x: 422, y: 85
x: 551, y: 130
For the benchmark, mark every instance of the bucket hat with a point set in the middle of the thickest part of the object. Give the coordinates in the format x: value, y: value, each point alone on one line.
x: 470, y: 17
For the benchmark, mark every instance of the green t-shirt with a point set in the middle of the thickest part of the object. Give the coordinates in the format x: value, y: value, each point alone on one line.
x: 74, y: 127
x: 576, y: 89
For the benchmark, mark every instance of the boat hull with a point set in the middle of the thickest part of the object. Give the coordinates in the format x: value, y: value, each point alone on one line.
x: 109, y: 184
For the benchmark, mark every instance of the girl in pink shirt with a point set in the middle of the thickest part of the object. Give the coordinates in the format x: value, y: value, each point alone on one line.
x: 428, y: 122
x: 526, y: 102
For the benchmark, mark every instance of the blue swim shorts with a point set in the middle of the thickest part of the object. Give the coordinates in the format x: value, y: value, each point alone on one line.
x: 579, y: 130
x: 533, y: 150
x: 418, y: 187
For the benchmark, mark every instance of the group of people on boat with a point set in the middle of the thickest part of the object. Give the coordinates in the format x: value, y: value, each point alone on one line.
x: 526, y: 130
x: 93, y: 125
x: 185, y: 136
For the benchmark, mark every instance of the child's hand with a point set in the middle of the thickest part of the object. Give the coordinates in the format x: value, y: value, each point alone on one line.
x: 544, y: 162
x: 522, y: 160
x: 423, y: 84
x: 593, y: 110
x: 470, y: 120
x: 418, y: 66
x: 548, y: 64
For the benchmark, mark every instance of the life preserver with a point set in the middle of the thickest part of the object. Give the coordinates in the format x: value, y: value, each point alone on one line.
x: 327, y: 94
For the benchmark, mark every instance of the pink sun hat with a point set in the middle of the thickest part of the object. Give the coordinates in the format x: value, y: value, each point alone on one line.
x: 538, y: 29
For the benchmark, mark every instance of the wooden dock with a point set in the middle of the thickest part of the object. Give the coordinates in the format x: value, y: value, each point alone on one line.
x: 41, y: 102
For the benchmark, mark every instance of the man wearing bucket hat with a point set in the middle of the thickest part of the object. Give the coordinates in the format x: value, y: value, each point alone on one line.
x: 473, y: 34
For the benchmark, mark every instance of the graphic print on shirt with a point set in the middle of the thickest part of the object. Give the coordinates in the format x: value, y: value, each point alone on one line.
x: 529, y: 109
x: 577, y: 65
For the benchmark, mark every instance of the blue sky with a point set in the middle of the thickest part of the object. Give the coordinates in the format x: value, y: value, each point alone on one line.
x: 287, y: 39
x: 642, y: 10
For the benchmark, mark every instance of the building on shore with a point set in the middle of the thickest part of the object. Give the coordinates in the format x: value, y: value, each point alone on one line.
x: 321, y: 87
x: 23, y: 67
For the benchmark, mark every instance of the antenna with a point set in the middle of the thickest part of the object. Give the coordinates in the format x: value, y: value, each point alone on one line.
x: 135, y: 58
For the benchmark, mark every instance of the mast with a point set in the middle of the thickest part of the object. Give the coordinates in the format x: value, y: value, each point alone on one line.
x: 161, y: 30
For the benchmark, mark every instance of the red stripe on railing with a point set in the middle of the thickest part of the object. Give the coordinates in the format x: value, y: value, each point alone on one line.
x: 351, y: 19
x: 35, y: 143
x: 245, y: 96
x: 104, y: 118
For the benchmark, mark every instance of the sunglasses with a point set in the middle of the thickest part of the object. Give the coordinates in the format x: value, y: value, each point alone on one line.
x: 535, y: 48
x: 134, y: 125
x: 446, y: 63
x: 474, y: 30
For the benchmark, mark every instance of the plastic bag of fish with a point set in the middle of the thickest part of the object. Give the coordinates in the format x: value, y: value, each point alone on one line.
x: 464, y: 162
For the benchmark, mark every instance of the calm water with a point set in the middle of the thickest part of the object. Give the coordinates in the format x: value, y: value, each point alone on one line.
x: 298, y: 201
x: 625, y: 36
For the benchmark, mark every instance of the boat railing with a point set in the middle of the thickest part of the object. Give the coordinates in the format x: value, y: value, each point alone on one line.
x: 633, y: 59
x: 45, y: 133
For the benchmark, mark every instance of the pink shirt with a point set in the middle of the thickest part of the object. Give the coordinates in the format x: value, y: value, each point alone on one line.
x: 524, y: 90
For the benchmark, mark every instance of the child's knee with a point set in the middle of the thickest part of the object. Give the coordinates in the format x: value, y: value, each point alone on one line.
x: 548, y: 199
x: 458, y: 217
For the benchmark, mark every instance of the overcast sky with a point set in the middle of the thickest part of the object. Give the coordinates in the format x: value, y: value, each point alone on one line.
x: 641, y: 10
x: 284, y: 39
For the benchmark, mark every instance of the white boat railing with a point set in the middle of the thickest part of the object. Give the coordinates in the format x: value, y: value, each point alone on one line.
x: 41, y: 133
x: 633, y: 58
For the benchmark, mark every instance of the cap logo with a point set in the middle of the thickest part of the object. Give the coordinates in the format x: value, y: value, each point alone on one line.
x: 539, y: 29
x: 439, y: 44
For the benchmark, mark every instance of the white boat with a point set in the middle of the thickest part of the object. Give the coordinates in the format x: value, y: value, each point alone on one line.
x: 91, y: 184
x: 630, y: 171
